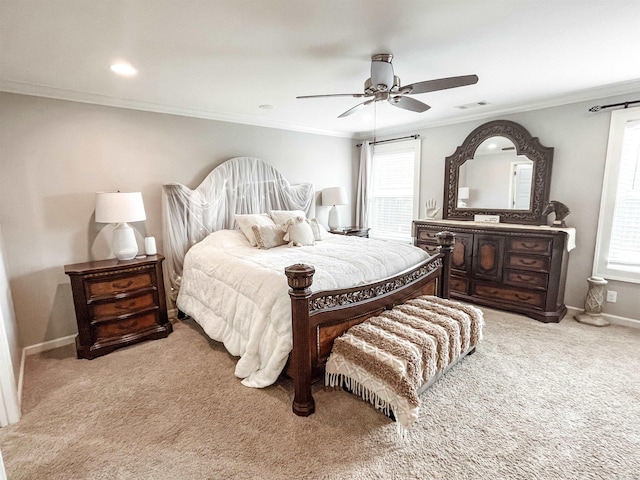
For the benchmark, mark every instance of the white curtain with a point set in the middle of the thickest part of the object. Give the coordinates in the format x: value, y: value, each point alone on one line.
x: 240, y: 185
x: 364, y: 185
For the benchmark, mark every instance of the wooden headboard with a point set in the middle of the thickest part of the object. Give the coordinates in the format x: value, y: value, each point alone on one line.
x: 239, y: 185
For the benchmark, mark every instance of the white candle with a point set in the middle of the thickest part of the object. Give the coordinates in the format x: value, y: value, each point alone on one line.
x: 150, y: 245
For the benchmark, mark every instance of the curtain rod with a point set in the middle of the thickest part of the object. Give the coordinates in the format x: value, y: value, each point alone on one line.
x: 415, y: 137
x: 597, y: 108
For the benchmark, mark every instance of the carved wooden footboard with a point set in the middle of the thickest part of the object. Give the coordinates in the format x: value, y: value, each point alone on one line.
x: 318, y: 318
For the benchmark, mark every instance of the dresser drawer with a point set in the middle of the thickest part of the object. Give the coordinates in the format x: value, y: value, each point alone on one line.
x: 427, y: 235
x: 123, y: 306
x: 513, y: 295
x: 116, y: 285
x: 530, y: 245
x: 430, y: 248
x: 528, y: 262
x: 459, y: 284
x: 526, y: 279
x: 128, y: 326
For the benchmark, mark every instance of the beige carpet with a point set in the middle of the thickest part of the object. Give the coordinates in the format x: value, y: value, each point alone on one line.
x: 536, y: 401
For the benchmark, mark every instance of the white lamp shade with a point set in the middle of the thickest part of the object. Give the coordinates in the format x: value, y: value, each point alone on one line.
x: 334, y: 196
x: 119, y: 207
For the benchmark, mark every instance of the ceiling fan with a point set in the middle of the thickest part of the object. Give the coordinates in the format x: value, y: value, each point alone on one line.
x: 384, y: 85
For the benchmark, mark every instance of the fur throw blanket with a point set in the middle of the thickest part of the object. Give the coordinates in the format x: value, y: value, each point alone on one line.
x: 389, y: 359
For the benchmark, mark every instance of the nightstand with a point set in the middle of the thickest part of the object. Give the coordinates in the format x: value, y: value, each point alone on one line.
x: 352, y: 231
x: 118, y: 303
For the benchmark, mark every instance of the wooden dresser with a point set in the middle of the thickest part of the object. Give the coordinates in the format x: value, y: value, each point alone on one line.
x: 517, y: 268
x: 118, y: 303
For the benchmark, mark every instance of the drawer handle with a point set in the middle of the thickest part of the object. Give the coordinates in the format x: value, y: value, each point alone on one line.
x: 530, y: 245
x: 121, y: 306
x: 524, y: 261
x: 128, y: 284
x: 524, y: 278
x: 523, y: 297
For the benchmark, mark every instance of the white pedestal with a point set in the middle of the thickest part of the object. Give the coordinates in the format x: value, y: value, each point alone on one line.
x: 593, y: 303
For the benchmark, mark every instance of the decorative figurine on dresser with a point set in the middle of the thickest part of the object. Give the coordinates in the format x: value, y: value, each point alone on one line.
x: 505, y: 255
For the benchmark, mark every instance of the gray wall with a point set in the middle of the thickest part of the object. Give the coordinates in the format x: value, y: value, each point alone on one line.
x: 56, y: 154
x: 580, y: 142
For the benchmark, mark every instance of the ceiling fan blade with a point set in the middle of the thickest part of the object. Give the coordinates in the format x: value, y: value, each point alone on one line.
x: 357, y: 107
x: 442, y: 84
x: 354, y: 95
x: 409, y: 103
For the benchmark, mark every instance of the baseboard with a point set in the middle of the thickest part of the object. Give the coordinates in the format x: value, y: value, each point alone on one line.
x: 614, y: 319
x: 38, y: 348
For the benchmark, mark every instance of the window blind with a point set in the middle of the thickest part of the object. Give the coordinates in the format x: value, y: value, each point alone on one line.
x: 624, y: 244
x: 392, y: 200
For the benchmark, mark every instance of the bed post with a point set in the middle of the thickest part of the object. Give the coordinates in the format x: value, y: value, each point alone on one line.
x: 300, y: 277
x: 446, y: 241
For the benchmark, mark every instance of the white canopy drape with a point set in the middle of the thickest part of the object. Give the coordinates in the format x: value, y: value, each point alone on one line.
x: 240, y: 185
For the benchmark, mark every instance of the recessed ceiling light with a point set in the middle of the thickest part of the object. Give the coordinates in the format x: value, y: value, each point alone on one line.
x: 123, y: 69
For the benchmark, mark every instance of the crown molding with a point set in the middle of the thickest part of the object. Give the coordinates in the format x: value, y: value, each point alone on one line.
x: 597, y: 93
x: 37, y: 90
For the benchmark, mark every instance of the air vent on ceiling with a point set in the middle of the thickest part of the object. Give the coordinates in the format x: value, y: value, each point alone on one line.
x: 472, y: 105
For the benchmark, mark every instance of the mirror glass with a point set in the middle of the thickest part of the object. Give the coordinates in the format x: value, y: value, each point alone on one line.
x: 495, y: 178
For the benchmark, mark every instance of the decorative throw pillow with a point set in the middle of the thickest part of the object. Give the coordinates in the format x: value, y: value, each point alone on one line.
x: 246, y: 221
x: 315, y: 228
x: 281, y: 216
x: 268, y: 236
x: 298, y: 232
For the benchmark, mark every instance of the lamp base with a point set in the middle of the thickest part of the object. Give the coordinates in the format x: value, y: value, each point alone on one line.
x: 124, y: 244
x: 334, y: 218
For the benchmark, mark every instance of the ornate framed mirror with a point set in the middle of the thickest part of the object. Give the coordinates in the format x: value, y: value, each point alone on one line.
x: 500, y: 169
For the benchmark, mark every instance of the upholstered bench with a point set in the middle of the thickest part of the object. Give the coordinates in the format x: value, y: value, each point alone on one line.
x: 390, y: 359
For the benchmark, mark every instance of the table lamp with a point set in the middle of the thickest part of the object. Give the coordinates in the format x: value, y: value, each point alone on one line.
x: 331, y: 197
x: 120, y: 208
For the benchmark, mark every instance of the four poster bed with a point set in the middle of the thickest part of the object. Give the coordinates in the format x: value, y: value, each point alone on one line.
x: 265, y: 305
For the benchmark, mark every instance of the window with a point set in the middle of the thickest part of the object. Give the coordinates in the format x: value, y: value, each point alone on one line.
x: 395, y: 179
x: 618, y: 241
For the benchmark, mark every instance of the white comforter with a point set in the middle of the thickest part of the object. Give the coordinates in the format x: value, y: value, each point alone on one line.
x: 239, y: 294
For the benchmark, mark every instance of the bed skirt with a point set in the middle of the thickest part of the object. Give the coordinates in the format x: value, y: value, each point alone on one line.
x: 390, y: 359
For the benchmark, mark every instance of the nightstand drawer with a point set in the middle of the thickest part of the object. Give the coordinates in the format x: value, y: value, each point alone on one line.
x: 119, y: 285
x: 123, y: 306
x: 128, y: 326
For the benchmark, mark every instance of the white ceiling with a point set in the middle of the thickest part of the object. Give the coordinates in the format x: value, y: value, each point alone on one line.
x: 221, y: 59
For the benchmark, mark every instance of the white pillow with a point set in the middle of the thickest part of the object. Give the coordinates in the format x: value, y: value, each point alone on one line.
x: 246, y: 221
x: 298, y: 232
x: 315, y: 228
x: 281, y: 216
x: 268, y: 236
x: 227, y: 239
